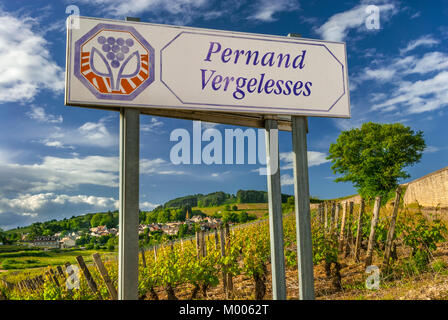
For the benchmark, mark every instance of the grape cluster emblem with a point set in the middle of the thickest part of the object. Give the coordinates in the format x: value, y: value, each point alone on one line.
x: 114, y: 62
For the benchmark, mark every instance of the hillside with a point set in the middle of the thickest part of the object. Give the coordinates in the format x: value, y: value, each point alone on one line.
x: 172, y: 210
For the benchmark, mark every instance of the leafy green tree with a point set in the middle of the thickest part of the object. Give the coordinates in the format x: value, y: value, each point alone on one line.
x: 96, y: 220
x: 373, y: 157
x: 243, y: 217
x: 229, y: 217
x: 164, y: 216
x: 2, y: 236
x: 110, y: 244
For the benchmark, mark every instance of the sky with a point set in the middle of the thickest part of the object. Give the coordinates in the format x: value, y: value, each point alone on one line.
x: 58, y: 161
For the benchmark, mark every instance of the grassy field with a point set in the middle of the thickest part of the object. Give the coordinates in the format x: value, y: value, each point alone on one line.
x: 36, y: 259
x: 258, y: 209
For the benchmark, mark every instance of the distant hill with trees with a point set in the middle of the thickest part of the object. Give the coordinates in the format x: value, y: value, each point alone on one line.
x: 173, y: 210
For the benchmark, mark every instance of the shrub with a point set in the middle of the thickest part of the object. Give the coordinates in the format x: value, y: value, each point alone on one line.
x: 439, y: 266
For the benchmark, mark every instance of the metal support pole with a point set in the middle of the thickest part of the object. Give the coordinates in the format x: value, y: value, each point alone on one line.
x: 129, y: 204
x: 302, y: 208
x: 275, y: 211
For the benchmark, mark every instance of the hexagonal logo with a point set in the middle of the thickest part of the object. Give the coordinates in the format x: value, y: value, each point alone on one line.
x: 114, y: 62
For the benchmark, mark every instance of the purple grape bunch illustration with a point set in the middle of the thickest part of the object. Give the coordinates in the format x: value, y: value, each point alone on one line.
x: 114, y: 55
x: 114, y: 62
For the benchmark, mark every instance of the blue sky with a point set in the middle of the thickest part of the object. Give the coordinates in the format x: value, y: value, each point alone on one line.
x: 57, y: 161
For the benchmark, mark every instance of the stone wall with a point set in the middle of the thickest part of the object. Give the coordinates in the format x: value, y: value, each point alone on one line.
x: 430, y: 190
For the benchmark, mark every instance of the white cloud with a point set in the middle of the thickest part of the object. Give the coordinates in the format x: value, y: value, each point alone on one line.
x: 431, y: 61
x: 426, y: 40
x: 338, y: 26
x: 30, y: 191
x: 28, y: 208
x: 315, y: 158
x: 39, y: 114
x: 154, y: 126
x: 26, y: 65
x: 432, y: 149
x: 58, y: 174
x: 55, y: 173
x: 55, y: 144
x: 98, y: 134
x: 402, y: 66
x: 266, y: 9
x: 147, y: 206
x: 177, y: 11
x: 379, y: 74
x: 220, y: 174
x: 347, y: 124
x: 419, y: 96
x: 94, y: 131
x: 36, y: 202
x: 286, y: 180
x: 404, y: 94
x: 157, y: 166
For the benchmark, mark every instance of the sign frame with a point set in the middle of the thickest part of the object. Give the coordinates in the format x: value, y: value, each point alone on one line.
x: 251, y: 118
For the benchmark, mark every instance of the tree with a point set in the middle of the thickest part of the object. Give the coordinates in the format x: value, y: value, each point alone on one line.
x: 373, y: 157
x: 2, y: 236
x: 96, y: 220
x: 243, y: 217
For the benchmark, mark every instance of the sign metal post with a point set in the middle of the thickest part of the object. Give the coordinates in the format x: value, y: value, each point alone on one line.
x: 275, y: 211
x: 302, y: 209
x: 129, y: 204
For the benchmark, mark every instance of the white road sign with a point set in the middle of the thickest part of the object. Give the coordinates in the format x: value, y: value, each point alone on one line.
x: 133, y: 64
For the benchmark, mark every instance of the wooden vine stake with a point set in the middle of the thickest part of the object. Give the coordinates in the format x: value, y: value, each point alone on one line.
x: 61, y: 272
x: 198, y: 244
x: 105, y: 275
x: 390, y: 234
x: 53, y: 276
x: 88, y: 276
x: 229, y: 275
x: 359, y: 230
x: 336, y: 216
x: 203, y: 244
x: 216, y: 239
x: 342, y: 233
x: 332, y: 221
x: 326, y: 205
x: 349, y: 242
x: 375, y: 216
x: 155, y: 253
x: 223, y: 254
x: 142, y: 251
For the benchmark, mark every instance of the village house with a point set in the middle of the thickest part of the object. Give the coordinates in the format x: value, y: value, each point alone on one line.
x: 67, y: 242
x: 99, y: 231
x: 196, y: 219
x: 155, y: 227
x: 212, y: 223
x: 46, y: 242
x: 141, y: 228
x: 171, y: 230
